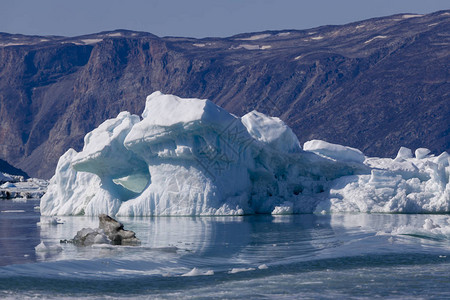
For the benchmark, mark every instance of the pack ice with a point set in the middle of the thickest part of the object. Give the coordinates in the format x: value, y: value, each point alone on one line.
x: 191, y: 157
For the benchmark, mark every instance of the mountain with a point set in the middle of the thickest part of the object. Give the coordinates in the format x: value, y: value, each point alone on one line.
x: 11, y: 170
x: 374, y: 85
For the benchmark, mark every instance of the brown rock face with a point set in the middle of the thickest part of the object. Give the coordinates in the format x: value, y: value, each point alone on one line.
x: 375, y: 85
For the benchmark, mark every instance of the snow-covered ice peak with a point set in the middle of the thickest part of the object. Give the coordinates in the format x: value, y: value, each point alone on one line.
x: 271, y: 131
x: 191, y: 157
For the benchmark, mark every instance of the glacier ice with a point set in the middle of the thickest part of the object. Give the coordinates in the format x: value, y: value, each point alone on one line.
x: 191, y: 157
x: 333, y: 151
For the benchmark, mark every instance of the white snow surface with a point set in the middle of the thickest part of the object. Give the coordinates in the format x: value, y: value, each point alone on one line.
x: 239, y: 270
x: 256, y: 37
x: 197, y: 272
x: 191, y: 157
x: 114, y: 34
x: 333, y: 151
x: 91, y: 41
x: 375, y: 38
x: 411, y: 16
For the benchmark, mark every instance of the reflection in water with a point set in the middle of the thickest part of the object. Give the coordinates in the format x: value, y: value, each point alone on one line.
x: 390, y: 233
x: 249, y: 240
x: 304, y: 254
x: 383, y: 222
x: 203, y: 241
x: 376, y: 222
x: 394, y: 224
x: 18, y: 231
x: 175, y: 245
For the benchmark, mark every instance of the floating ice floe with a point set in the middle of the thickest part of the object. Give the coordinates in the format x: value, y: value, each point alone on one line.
x: 263, y: 267
x: 239, y: 270
x: 197, y: 272
x: 12, y: 186
x: 191, y: 157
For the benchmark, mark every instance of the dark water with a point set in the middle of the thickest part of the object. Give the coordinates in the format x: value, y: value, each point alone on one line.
x: 262, y: 257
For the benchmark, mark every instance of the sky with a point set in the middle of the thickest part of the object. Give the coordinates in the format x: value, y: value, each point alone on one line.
x: 194, y: 18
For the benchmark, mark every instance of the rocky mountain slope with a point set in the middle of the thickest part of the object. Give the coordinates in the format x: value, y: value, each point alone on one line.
x: 8, y: 169
x: 375, y: 85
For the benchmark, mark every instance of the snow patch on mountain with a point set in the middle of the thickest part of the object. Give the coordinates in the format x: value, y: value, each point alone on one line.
x: 375, y: 38
x: 256, y: 37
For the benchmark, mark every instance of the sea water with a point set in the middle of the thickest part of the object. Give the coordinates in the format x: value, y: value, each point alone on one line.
x: 264, y: 257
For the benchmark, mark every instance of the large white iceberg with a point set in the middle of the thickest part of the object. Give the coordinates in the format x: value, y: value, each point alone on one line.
x: 191, y: 157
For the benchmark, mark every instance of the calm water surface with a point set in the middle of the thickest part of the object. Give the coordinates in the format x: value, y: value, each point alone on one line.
x: 263, y: 257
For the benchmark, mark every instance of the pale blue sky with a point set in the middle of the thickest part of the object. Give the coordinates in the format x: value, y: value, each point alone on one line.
x: 195, y: 18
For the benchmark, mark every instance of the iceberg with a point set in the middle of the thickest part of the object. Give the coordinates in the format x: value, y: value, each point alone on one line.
x: 5, y: 178
x: 189, y: 157
x: 17, y: 187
